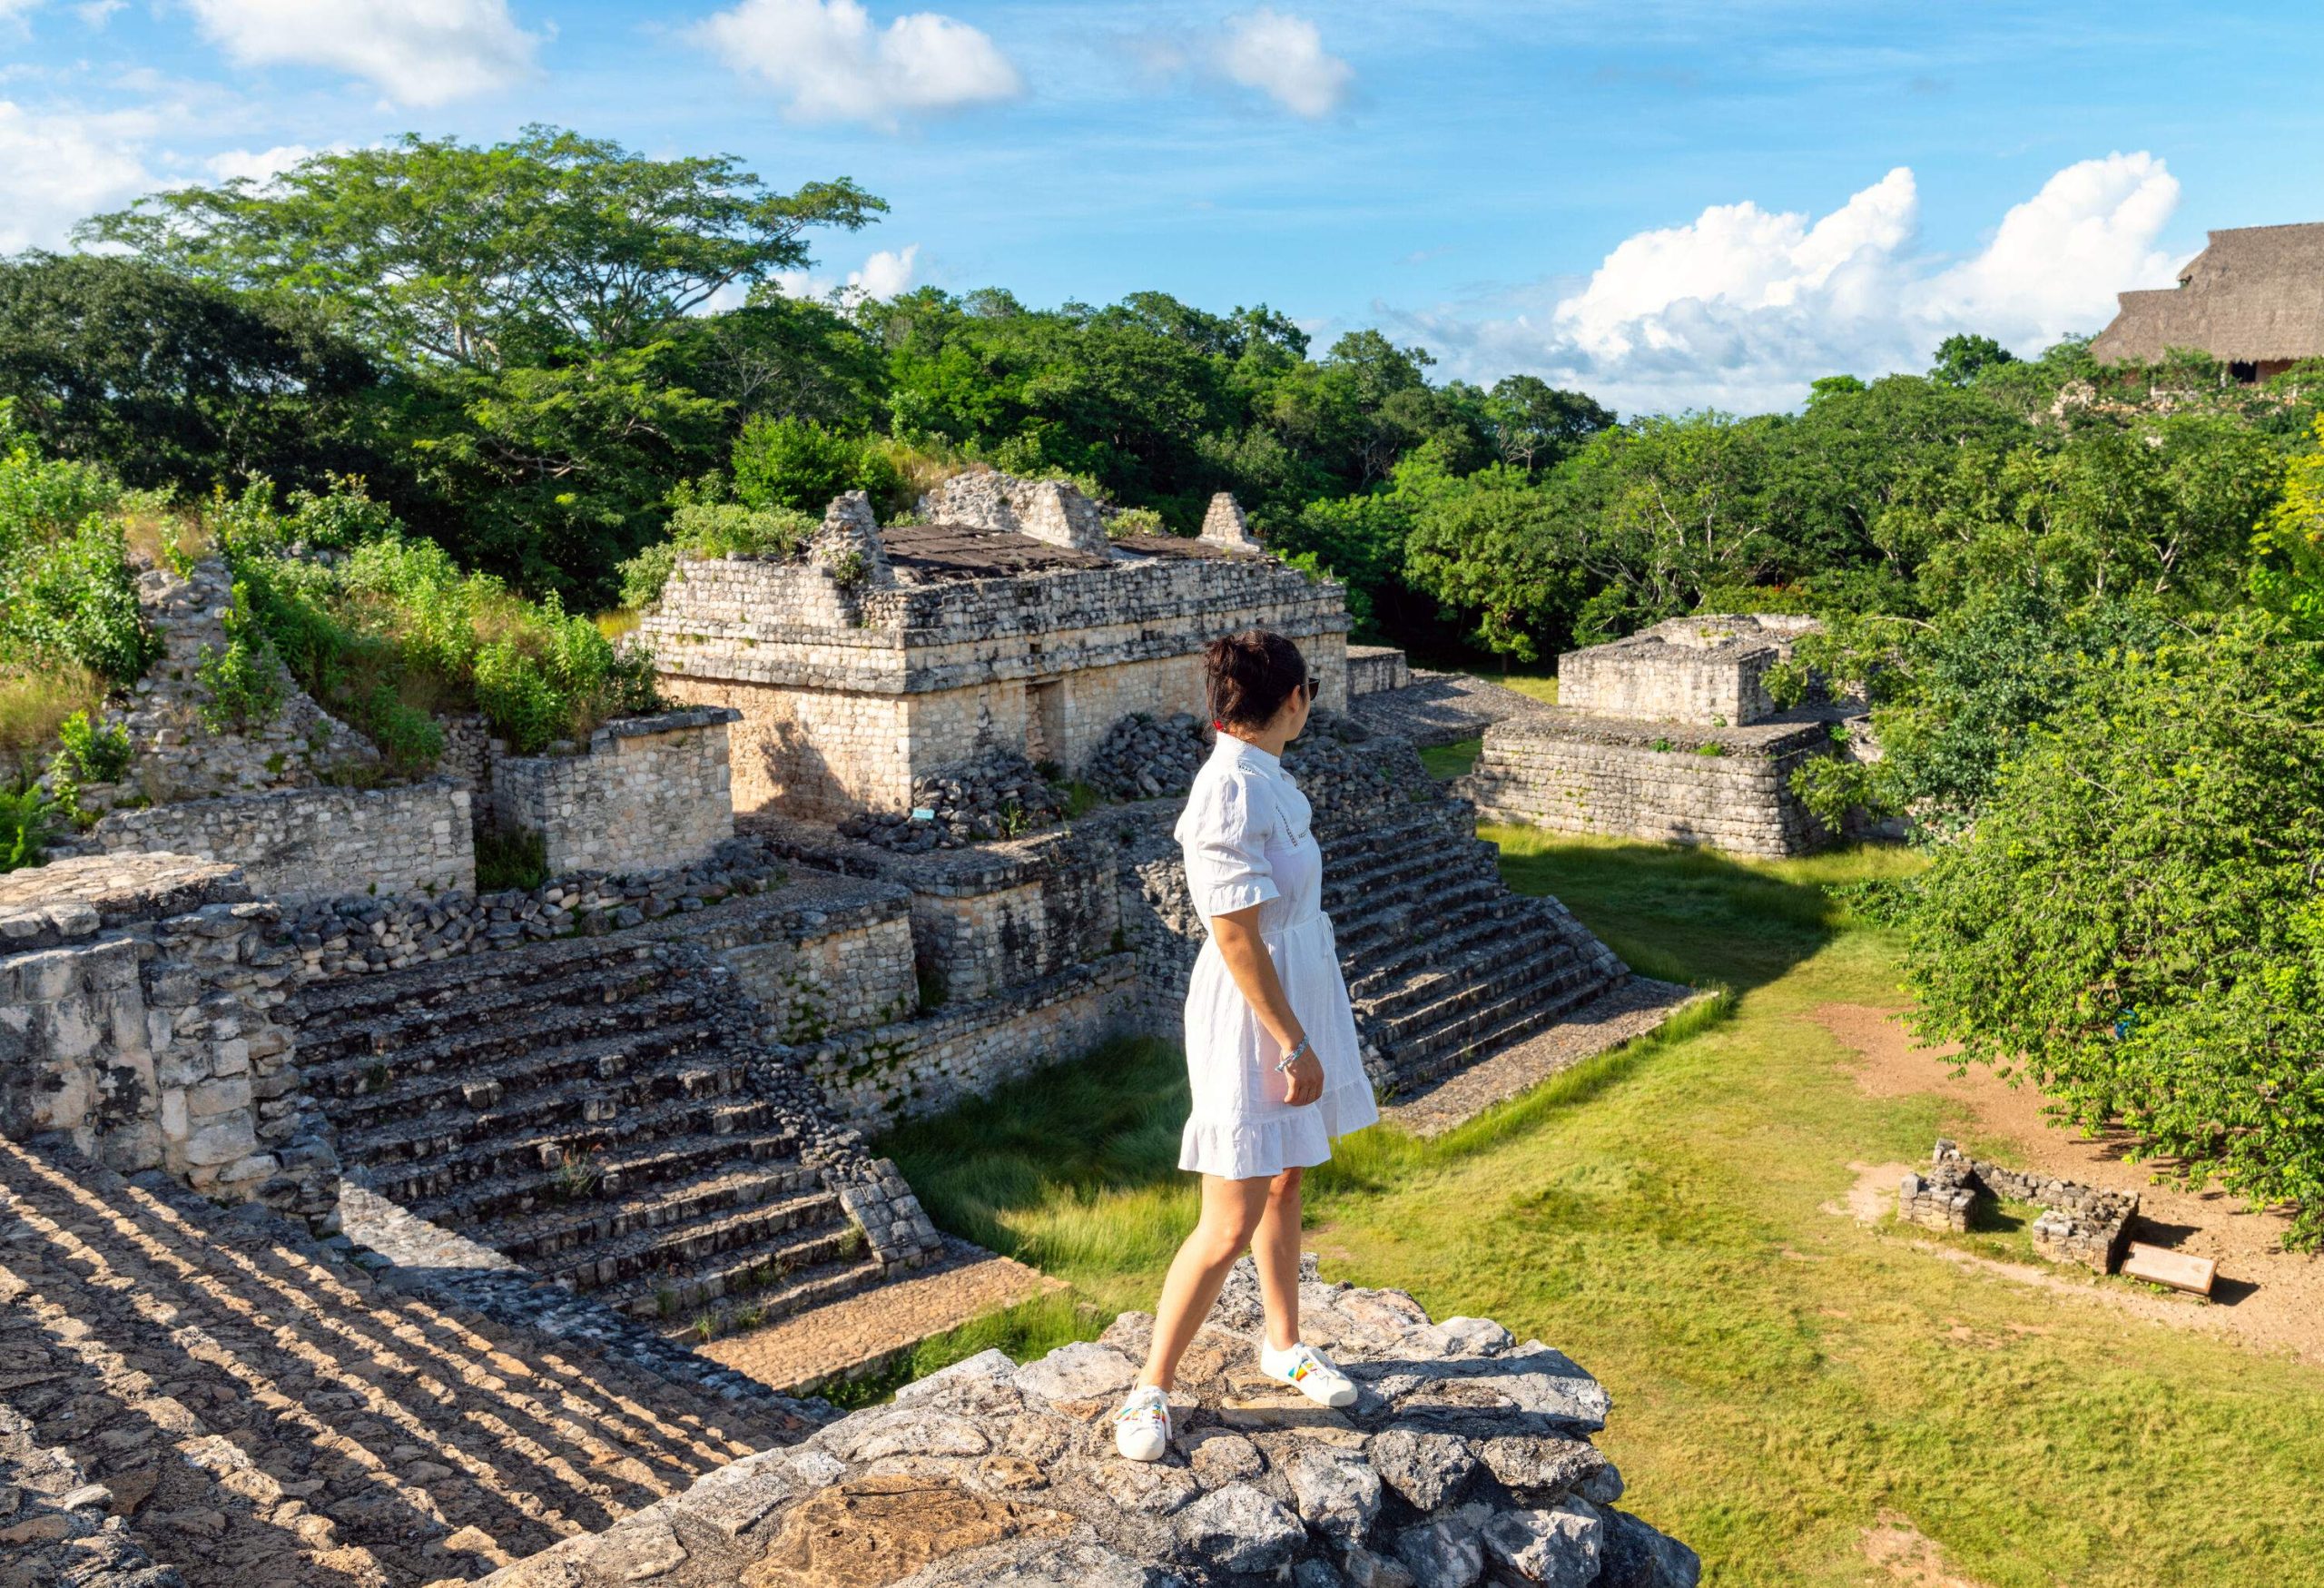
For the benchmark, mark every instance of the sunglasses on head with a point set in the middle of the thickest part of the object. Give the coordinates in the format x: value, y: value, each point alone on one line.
x: 1311, y: 687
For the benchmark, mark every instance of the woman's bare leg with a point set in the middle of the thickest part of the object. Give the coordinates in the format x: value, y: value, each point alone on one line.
x: 1275, y: 1249
x: 1231, y: 1211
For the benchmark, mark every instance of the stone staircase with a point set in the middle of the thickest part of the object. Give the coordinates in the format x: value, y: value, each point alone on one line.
x: 1444, y: 964
x: 597, y: 1109
x: 262, y: 1413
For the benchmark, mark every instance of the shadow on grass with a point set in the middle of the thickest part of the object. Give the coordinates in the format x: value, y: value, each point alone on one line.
x: 1695, y: 915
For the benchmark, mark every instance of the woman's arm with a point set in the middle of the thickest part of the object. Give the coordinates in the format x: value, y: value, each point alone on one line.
x: 1253, y: 968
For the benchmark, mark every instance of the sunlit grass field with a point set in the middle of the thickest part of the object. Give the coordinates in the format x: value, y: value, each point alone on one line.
x: 1784, y: 1379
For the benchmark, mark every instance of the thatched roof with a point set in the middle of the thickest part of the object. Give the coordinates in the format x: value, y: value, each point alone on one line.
x: 2255, y: 293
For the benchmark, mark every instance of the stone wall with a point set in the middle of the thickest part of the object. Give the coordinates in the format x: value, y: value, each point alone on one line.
x: 820, y: 955
x: 649, y: 791
x: 1728, y: 787
x: 846, y: 695
x: 1708, y: 670
x: 2078, y: 1224
x: 879, y: 1077
x: 137, y: 1019
x: 1466, y: 1458
x: 302, y: 844
x: 1373, y: 668
x: 986, y: 918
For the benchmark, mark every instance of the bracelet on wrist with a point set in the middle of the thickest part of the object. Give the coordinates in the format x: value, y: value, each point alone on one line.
x: 1292, y: 1058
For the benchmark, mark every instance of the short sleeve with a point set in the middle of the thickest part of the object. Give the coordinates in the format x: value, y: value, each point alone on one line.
x: 1224, y: 833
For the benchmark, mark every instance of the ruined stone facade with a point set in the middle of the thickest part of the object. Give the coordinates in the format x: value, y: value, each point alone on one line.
x: 857, y: 673
x: 646, y: 791
x: 2079, y: 1224
x: 138, y: 1001
x: 1669, y: 736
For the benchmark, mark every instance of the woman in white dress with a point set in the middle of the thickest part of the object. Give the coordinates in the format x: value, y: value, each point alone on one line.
x: 1271, y: 1045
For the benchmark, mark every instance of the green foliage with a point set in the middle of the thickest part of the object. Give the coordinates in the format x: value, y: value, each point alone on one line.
x: 95, y: 752
x: 25, y: 814
x: 392, y: 631
x: 68, y: 598
x: 797, y: 465
x: 1962, y: 357
x: 510, y: 860
x: 2137, y: 923
x: 243, y: 680
x: 2288, y: 568
x: 1137, y: 521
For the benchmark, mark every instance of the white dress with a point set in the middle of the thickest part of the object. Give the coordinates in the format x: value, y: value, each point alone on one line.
x: 1245, y: 836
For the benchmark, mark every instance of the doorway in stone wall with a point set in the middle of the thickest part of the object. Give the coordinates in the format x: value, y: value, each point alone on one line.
x: 1045, y: 722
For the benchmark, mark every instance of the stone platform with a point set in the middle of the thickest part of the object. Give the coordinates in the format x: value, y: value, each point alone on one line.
x: 1466, y: 1453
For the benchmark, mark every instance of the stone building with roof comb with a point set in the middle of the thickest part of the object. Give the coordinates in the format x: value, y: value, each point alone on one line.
x: 2254, y: 298
x: 1007, y: 619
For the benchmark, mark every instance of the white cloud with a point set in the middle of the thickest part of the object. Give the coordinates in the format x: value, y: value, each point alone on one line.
x: 418, y: 52
x: 1283, y: 56
x: 57, y: 169
x: 258, y: 165
x: 1742, y: 307
x: 886, y: 274
x: 17, y: 10
x: 97, y: 13
x: 828, y: 64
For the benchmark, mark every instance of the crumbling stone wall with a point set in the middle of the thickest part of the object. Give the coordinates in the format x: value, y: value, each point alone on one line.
x: 649, y: 791
x: 874, y: 1078
x: 298, y: 844
x: 2077, y: 1224
x: 820, y: 955
x: 176, y: 755
x: 1709, y: 670
x: 1049, y: 510
x: 1374, y: 668
x: 137, y: 1019
x: 1569, y: 772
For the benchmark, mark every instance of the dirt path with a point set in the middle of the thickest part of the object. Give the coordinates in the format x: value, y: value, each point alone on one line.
x: 2265, y: 1296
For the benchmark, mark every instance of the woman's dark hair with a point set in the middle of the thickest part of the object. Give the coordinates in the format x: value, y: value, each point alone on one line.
x: 1249, y: 676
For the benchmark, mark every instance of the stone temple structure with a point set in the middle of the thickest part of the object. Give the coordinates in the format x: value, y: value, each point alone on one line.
x: 1006, y: 620
x: 1670, y: 735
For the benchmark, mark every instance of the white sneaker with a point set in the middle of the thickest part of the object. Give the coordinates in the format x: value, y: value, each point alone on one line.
x: 1142, y: 1427
x: 1310, y: 1372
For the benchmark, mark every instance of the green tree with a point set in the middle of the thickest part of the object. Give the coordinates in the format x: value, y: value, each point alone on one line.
x: 1962, y: 358
x: 2136, y: 921
x: 438, y: 250
x: 1534, y: 424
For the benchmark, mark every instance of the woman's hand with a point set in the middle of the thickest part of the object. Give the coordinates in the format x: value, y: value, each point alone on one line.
x: 1304, y: 1081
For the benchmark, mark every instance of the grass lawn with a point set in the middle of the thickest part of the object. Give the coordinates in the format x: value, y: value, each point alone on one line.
x: 1784, y: 1379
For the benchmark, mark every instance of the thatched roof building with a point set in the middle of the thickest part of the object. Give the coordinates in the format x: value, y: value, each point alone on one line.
x: 2254, y: 297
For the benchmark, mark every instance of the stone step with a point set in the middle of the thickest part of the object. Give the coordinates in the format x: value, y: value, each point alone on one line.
x: 362, y: 1095
x: 1441, y: 994
x: 602, y: 1221
x: 306, y: 1427
x: 502, y: 1200
x: 786, y: 1233
x: 748, y: 1279
x: 1426, y: 890
x: 358, y: 999
x: 1368, y: 861
x: 1502, y: 929
x: 1420, y: 1051
x: 486, y: 1015
x: 427, y: 1173
x: 1381, y: 941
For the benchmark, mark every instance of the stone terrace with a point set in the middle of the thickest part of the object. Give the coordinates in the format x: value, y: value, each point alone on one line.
x: 262, y: 1413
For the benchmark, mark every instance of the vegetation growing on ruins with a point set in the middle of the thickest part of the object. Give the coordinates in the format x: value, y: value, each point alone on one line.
x: 1786, y: 1377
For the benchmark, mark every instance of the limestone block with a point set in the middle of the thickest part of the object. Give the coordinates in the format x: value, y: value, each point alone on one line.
x: 226, y: 1139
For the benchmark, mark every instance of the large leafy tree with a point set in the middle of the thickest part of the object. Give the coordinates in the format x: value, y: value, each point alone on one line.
x: 2136, y: 921
x: 173, y: 382
x: 440, y: 251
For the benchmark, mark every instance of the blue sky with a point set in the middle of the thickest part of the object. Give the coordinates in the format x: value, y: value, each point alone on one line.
x: 1672, y: 205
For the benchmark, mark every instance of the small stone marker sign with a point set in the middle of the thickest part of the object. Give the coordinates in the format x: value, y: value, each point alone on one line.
x: 2180, y: 1270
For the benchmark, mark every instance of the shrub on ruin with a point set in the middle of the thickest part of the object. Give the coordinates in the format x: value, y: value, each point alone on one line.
x: 798, y: 464
x: 25, y: 814
x: 702, y: 526
x: 94, y: 751
x: 2136, y: 921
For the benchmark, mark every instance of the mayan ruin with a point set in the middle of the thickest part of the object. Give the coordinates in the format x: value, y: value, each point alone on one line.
x: 802, y: 793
